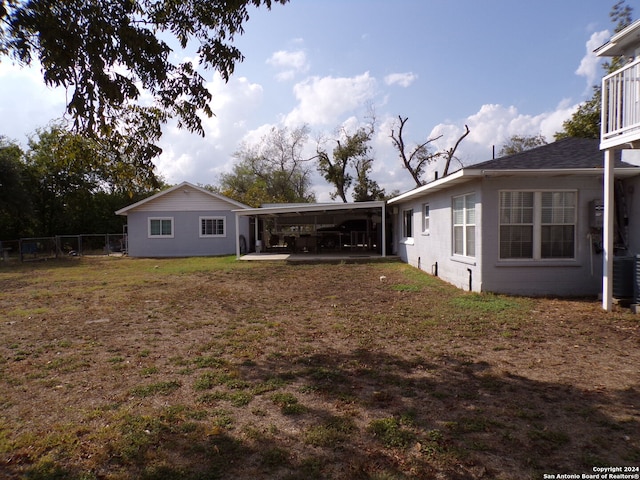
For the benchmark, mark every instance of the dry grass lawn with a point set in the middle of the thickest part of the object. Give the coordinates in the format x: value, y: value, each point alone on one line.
x: 118, y: 368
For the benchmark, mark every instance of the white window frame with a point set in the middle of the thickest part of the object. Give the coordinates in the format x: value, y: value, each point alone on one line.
x: 426, y: 219
x: 407, y: 223
x: 160, y: 219
x: 466, y: 226
x: 538, y: 225
x: 203, y: 234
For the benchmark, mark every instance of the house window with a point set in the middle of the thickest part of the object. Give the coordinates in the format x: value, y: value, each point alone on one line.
x: 516, y: 224
x: 537, y: 225
x: 407, y: 223
x: 464, y: 225
x: 425, y: 218
x: 558, y: 224
x: 212, y: 227
x: 161, y: 227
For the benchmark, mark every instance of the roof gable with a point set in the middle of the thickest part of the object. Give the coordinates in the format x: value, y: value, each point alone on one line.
x: 183, y: 197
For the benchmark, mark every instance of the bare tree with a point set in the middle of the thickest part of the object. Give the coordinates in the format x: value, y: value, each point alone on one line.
x: 450, y: 154
x: 416, y: 160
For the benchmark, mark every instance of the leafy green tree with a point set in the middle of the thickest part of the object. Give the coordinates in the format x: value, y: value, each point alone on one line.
x: 74, y: 185
x: 108, y: 52
x: 520, y: 143
x: 59, y: 185
x: 273, y: 171
x: 335, y: 168
x: 244, y: 186
x: 585, y: 121
x: 350, y: 160
x: 15, y: 204
x: 366, y: 189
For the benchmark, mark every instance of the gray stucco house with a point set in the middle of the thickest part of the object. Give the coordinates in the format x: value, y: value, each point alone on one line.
x: 184, y: 220
x: 529, y: 223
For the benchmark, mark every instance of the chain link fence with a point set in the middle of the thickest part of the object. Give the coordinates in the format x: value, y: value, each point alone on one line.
x: 44, y: 248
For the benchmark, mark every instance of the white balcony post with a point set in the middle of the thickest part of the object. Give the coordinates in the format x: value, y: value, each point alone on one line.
x: 608, y: 232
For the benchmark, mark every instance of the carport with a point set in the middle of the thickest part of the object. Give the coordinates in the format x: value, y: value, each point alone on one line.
x: 336, y: 229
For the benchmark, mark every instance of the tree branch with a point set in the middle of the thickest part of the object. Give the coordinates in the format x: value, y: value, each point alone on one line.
x: 451, y: 152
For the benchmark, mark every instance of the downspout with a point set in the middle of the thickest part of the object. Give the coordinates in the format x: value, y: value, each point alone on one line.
x: 470, y: 278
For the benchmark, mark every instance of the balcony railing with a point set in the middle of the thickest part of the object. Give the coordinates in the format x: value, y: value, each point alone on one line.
x: 621, y: 106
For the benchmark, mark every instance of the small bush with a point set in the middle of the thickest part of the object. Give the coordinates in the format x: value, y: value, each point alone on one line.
x: 390, y: 432
x: 160, y: 388
x: 331, y: 433
x: 288, y: 403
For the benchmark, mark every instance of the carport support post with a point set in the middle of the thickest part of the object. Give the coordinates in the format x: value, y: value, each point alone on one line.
x: 607, y: 240
x: 237, y: 236
x: 384, y: 229
x: 256, y: 228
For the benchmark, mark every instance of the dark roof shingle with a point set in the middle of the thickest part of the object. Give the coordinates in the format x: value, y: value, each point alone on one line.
x: 568, y: 153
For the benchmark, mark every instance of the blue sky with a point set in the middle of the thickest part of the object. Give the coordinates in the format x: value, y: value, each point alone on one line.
x: 503, y: 67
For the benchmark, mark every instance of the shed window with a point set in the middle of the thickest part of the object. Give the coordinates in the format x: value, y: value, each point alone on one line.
x: 464, y: 225
x: 212, y: 227
x: 537, y: 225
x: 161, y: 227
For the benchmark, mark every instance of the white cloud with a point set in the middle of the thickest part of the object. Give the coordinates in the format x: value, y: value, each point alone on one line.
x: 492, y: 126
x: 190, y: 157
x: 291, y: 63
x: 323, y: 100
x: 590, y: 63
x: 402, y: 79
x: 26, y: 103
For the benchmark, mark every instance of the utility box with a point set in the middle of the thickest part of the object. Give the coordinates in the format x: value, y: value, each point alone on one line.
x: 596, y: 213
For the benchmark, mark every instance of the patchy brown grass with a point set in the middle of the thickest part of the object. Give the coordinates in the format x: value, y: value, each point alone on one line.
x: 117, y: 368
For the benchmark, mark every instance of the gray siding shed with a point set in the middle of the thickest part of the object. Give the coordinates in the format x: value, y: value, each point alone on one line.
x: 183, y: 221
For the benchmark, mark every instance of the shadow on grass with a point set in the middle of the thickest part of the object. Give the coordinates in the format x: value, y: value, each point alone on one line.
x: 369, y: 415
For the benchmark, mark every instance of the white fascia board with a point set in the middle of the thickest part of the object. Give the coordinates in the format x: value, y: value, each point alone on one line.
x: 470, y: 173
x: 555, y: 172
x: 308, y: 208
x: 619, y: 42
x: 454, y: 178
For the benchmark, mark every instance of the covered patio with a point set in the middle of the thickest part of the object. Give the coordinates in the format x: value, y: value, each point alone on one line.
x: 327, y: 231
x: 318, y: 258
